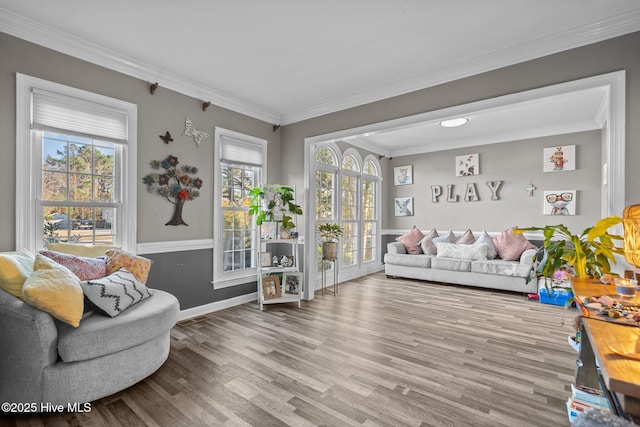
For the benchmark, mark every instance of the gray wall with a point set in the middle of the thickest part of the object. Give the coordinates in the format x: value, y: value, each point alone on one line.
x: 166, y: 110
x: 612, y: 55
x: 515, y: 164
x: 187, y: 274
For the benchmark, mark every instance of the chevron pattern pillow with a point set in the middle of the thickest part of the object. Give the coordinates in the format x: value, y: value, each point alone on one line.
x: 113, y: 294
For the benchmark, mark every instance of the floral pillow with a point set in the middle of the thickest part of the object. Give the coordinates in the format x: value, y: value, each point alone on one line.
x: 410, y: 240
x: 137, y: 265
x: 83, y: 267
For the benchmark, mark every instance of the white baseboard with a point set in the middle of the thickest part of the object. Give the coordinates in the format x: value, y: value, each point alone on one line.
x: 216, y: 306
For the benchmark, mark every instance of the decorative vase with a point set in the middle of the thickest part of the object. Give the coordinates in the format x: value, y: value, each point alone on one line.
x: 329, y: 250
x: 285, y: 233
x: 177, y: 214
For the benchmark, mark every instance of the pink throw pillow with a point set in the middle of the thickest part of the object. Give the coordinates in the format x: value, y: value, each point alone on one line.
x: 410, y: 240
x: 426, y: 243
x: 467, y: 238
x: 510, y: 246
x: 84, y: 268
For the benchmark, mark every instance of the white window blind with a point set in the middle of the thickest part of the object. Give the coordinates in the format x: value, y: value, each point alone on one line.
x: 63, y: 113
x: 234, y: 150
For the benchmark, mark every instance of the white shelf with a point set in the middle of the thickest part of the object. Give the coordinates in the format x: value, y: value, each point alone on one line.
x: 287, y: 247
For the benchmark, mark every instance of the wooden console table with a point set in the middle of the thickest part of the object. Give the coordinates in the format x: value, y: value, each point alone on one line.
x: 618, y: 376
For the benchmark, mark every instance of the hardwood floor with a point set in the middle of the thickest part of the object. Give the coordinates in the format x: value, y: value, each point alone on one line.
x: 384, y: 352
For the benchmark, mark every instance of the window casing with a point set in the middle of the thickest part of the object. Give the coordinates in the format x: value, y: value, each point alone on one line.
x: 241, y: 163
x: 76, y: 166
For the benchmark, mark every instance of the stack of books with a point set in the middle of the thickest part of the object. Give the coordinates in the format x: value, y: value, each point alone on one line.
x: 585, y: 398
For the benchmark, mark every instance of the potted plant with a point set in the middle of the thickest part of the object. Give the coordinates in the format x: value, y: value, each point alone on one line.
x: 274, y: 202
x: 588, y: 254
x: 329, y: 233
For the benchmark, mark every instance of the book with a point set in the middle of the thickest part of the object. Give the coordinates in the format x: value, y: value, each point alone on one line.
x: 590, y: 396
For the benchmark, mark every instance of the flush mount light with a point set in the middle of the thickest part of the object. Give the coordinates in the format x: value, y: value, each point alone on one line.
x: 454, y: 123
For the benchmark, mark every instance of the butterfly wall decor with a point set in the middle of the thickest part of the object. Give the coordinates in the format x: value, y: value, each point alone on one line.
x: 189, y: 130
x: 166, y: 137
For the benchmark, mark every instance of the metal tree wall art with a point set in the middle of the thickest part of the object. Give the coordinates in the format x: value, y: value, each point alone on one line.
x: 175, y: 184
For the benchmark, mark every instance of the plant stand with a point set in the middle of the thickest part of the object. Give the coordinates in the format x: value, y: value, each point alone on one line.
x: 335, y: 276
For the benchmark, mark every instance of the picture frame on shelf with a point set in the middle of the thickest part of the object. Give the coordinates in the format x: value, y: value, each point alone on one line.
x: 271, y: 286
x: 265, y: 259
x: 292, y: 283
x: 269, y: 230
x: 403, y: 175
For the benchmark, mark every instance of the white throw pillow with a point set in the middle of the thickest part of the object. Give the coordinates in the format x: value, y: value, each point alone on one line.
x: 462, y: 251
x: 486, y: 239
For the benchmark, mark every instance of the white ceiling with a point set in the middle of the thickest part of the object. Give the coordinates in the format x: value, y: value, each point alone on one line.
x: 283, y: 61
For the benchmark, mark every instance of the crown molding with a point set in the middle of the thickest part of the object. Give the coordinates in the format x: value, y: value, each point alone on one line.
x: 49, y: 37
x: 35, y: 32
x: 569, y: 39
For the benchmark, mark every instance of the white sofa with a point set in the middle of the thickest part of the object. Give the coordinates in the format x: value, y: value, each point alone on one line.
x: 491, y: 273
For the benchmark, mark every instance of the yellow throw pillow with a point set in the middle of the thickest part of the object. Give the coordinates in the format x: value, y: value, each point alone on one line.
x: 15, y: 268
x: 89, y: 251
x: 55, y: 289
x: 136, y: 265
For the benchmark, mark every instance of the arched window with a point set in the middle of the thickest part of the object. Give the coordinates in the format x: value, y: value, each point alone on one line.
x: 347, y: 191
x: 349, y: 209
x: 369, y: 204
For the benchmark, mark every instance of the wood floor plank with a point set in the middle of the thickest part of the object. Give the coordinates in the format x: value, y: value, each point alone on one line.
x: 381, y: 353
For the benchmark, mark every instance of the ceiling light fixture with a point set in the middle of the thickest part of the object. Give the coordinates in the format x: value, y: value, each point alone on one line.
x: 454, y: 123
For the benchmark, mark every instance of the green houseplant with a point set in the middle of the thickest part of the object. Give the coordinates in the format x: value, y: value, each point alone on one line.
x: 274, y: 202
x: 589, y: 254
x: 330, y: 233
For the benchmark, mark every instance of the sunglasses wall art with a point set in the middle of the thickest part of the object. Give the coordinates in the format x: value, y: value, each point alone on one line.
x: 560, y: 202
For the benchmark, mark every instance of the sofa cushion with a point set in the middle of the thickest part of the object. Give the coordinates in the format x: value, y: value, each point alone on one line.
x: 467, y: 238
x: 452, y: 264
x: 421, y: 260
x: 501, y: 267
x: 100, y: 335
x: 15, y: 268
x: 77, y: 249
x: 55, y: 289
x: 426, y: 244
x: 115, y: 293
x: 137, y: 265
x: 510, y: 245
x: 83, y: 267
x: 484, y: 238
x: 449, y: 238
x: 462, y: 251
x: 410, y: 239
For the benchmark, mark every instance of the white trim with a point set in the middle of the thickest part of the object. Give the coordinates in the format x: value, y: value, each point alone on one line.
x: 27, y: 162
x: 177, y: 246
x: 216, y: 306
x: 60, y: 41
x: 619, y: 25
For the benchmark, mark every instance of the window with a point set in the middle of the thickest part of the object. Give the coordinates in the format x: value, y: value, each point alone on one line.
x: 325, y: 188
x: 369, y: 210
x: 347, y: 192
x: 349, y: 212
x: 75, y: 151
x: 240, y: 160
